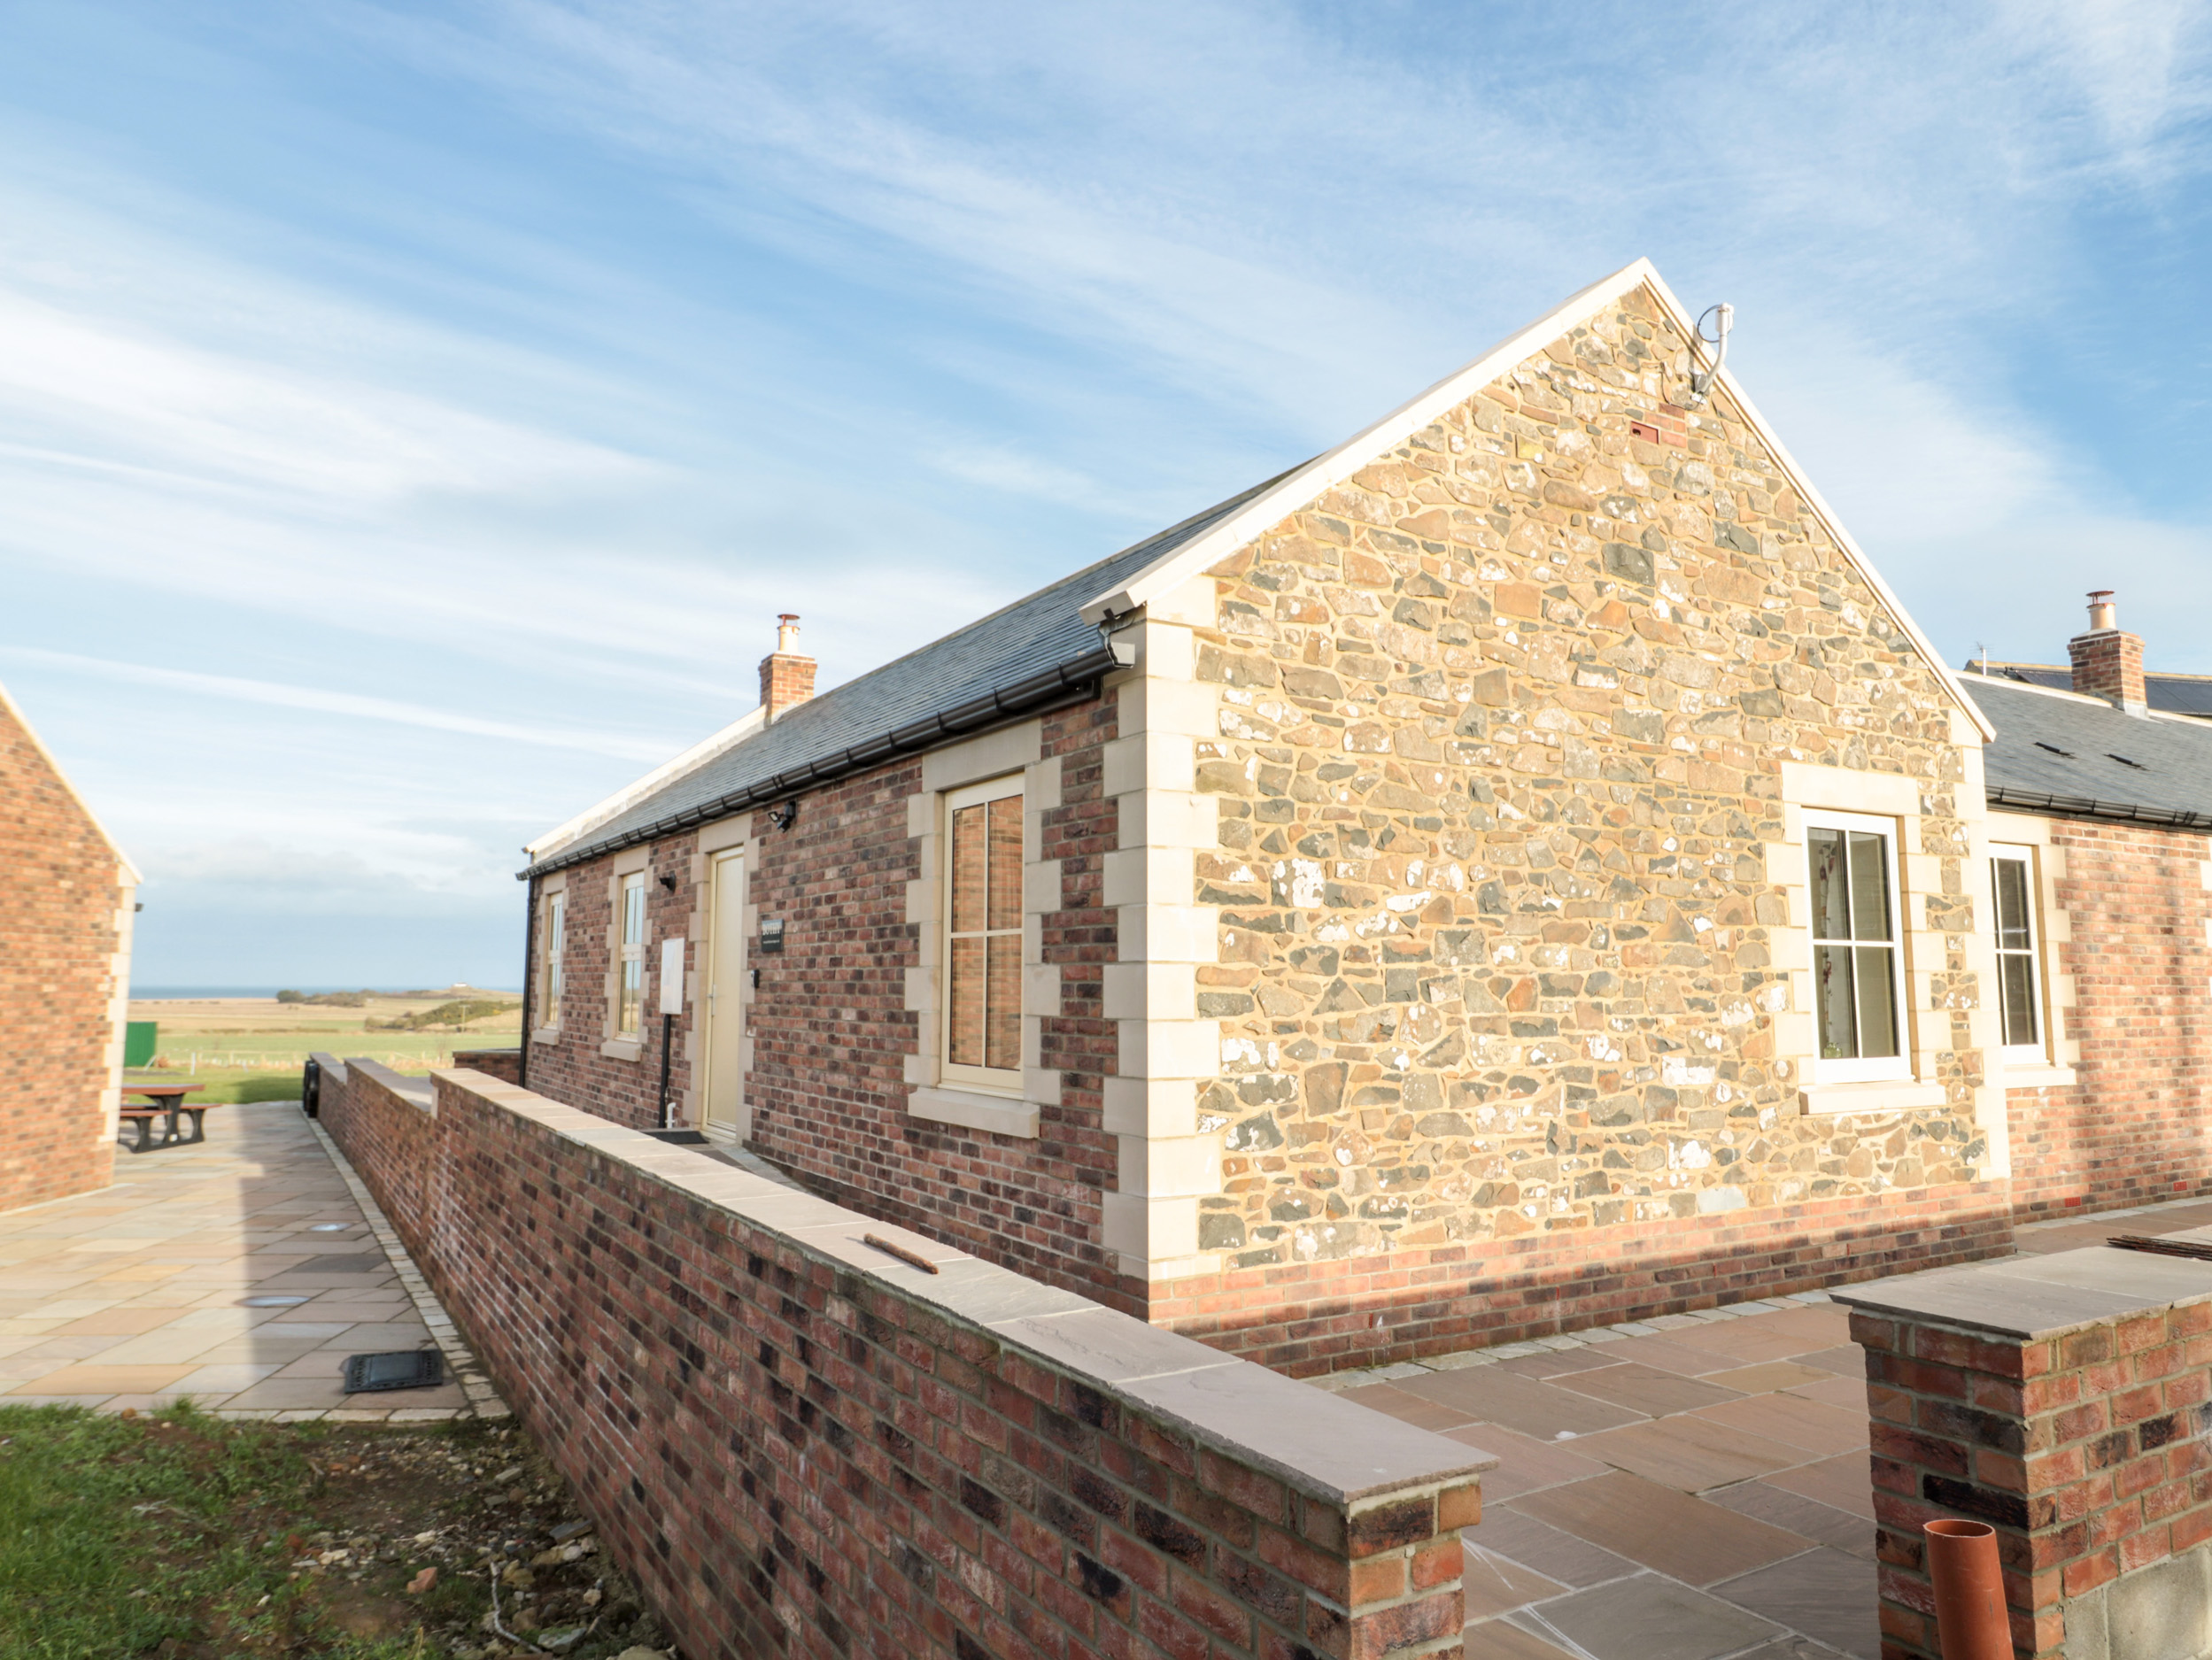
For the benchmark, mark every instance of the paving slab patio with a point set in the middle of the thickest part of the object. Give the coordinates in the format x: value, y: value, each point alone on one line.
x: 146, y: 1291
x: 1694, y: 1486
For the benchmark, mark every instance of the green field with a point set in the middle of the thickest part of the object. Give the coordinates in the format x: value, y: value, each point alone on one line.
x: 245, y: 1049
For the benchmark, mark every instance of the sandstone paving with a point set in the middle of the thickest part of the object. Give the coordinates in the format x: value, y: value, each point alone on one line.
x: 1697, y: 1486
x: 1689, y: 1454
x: 137, y: 1296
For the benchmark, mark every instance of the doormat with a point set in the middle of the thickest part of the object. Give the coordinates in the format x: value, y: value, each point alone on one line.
x: 403, y: 1368
x: 679, y: 1138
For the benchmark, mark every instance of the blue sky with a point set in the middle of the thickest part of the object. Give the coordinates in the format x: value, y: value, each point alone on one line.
x: 412, y: 416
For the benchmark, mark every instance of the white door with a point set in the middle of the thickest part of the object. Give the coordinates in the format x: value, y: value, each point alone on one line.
x: 723, y: 1115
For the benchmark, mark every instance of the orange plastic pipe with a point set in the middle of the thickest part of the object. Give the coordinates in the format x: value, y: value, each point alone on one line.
x: 1970, y: 1619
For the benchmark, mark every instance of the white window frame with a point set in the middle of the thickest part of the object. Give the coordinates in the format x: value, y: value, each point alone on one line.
x: 629, y: 951
x: 982, y: 1079
x: 553, y: 958
x: 1875, y: 1068
x: 2040, y: 1052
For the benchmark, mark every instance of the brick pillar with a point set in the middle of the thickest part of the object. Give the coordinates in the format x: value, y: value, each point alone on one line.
x: 786, y: 678
x: 2064, y: 1399
x: 2107, y: 660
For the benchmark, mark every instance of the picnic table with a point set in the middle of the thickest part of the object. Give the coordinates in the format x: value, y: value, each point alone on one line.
x: 166, y: 1100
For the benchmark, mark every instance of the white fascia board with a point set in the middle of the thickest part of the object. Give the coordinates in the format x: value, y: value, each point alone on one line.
x: 1325, y: 472
x: 698, y: 755
x: 15, y: 711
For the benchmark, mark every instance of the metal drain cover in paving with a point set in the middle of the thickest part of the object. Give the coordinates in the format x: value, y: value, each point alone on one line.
x: 339, y: 1265
x: 329, y: 1227
x: 270, y: 1302
x: 403, y: 1368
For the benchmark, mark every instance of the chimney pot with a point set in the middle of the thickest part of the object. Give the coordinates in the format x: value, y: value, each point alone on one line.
x: 787, y: 676
x: 2107, y: 660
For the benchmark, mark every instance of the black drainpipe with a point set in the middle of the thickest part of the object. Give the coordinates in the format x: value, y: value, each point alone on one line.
x: 530, y: 961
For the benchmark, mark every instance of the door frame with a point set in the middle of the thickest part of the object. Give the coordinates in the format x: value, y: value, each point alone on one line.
x: 726, y: 865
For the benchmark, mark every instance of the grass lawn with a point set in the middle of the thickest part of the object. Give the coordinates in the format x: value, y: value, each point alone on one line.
x: 186, y: 1538
x: 244, y: 1049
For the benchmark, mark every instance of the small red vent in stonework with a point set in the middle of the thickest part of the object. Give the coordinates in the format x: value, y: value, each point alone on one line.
x: 1643, y: 430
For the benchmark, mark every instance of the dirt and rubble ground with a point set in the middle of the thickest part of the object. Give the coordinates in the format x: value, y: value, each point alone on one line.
x: 181, y: 1536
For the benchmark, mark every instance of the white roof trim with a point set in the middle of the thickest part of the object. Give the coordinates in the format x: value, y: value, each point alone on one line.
x: 15, y: 711
x: 585, y: 822
x: 1325, y: 472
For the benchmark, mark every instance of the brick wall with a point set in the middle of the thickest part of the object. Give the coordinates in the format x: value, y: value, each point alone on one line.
x: 504, y: 1064
x: 832, y: 1032
x: 386, y: 1124
x: 2065, y: 1401
x: 1371, y: 1312
x: 803, y: 1447
x: 65, y: 919
x: 2136, y: 1125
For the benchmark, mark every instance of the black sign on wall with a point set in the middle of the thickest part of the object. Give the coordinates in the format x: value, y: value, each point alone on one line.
x: 771, y: 935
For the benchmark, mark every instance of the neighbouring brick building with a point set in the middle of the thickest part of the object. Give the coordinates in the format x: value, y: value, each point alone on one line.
x: 2100, y: 847
x: 66, y: 897
x: 1520, y: 868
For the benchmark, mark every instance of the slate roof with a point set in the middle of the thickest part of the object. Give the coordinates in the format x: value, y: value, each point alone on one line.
x: 898, y: 709
x: 2173, y: 694
x: 2083, y: 759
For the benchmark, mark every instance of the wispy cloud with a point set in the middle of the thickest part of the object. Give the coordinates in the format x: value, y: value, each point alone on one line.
x: 348, y: 705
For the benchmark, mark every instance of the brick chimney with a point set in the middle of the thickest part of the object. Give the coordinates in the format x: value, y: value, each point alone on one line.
x: 787, y: 677
x: 2107, y: 662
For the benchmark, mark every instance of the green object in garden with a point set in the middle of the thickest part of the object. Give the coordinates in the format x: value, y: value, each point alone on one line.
x: 138, y: 1041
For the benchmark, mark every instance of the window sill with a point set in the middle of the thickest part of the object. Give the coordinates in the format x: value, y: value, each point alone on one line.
x: 1000, y: 1114
x: 623, y: 1049
x: 546, y: 1034
x: 1888, y: 1096
x: 2036, y: 1075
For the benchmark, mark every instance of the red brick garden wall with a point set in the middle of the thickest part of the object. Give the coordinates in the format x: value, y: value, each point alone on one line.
x: 387, y: 1125
x: 1372, y: 1311
x: 61, y: 898
x: 2136, y: 1126
x: 803, y: 1447
x: 2079, y: 1435
x: 831, y: 1029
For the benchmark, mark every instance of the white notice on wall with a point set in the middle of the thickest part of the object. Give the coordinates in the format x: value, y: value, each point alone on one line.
x: 672, y: 976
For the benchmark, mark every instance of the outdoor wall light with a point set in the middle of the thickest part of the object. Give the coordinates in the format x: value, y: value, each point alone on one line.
x: 1723, y: 317
x: 782, y: 818
x: 669, y: 882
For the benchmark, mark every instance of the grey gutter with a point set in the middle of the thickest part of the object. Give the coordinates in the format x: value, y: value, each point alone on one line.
x: 2087, y: 806
x: 1025, y: 696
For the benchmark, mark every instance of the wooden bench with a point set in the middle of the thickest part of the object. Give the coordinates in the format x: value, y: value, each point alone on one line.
x: 166, y: 1102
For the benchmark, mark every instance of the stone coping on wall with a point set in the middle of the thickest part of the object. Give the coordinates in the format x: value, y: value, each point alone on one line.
x: 1314, y: 1442
x: 2037, y: 1297
x: 416, y: 1091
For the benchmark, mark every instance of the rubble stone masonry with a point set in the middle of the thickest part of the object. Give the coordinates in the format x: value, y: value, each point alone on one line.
x: 2134, y: 1125
x: 1505, y: 958
x: 65, y: 899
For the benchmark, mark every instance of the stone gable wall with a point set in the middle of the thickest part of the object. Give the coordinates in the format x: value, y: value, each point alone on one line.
x: 2135, y: 1126
x: 64, y: 917
x: 1502, y: 726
